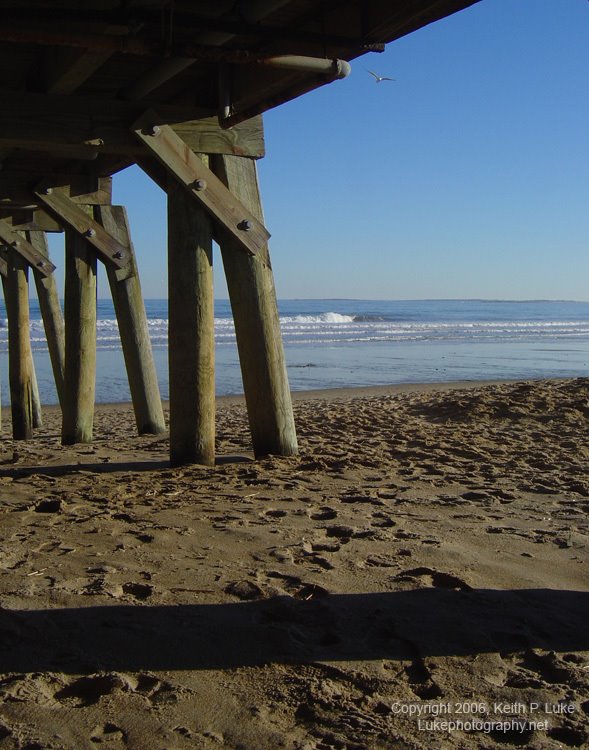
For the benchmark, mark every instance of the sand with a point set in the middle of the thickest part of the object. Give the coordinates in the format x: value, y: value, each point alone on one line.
x: 415, y: 578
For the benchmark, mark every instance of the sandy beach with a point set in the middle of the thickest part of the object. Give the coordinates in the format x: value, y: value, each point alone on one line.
x: 416, y: 578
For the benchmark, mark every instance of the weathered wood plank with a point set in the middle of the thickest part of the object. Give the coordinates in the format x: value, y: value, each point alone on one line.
x: 66, y: 70
x: 16, y: 187
x: 87, y: 126
x: 3, y: 263
x: 80, y: 340
x: 132, y: 320
x: 191, y: 342
x: 50, y: 306
x: 24, y: 248
x: 202, y: 183
x: 78, y: 219
x: 30, y: 220
x: 253, y: 301
x: 20, y: 357
x: 37, y: 410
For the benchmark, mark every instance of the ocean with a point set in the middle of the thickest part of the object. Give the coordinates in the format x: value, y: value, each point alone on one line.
x: 335, y: 343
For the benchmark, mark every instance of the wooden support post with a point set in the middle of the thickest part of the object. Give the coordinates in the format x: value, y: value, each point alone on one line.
x: 80, y: 340
x: 253, y: 302
x: 3, y: 275
x: 191, y: 338
x: 130, y: 311
x: 37, y: 410
x: 20, y: 359
x: 52, y: 315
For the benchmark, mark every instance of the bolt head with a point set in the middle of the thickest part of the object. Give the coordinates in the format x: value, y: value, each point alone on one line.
x: 246, y: 225
x: 199, y: 185
x: 153, y: 130
x: 90, y: 232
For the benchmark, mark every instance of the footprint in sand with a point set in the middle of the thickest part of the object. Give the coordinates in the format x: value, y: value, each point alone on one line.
x: 244, y: 590
x: 297, y: 588
x: 569, y: 736
x: 108, y: 732
x: 323, y: 514
x: 381, y: 561
x: 87, y: 691
x: 343, y: 533
x: 140, y: 591
x: 382, y: 520
x: 435, y: 578
x: 274, y: 513
x: 355, y: 498
x: 325, y: 546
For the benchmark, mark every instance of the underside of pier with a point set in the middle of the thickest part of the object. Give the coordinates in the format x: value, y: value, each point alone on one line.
x: 177, y: 87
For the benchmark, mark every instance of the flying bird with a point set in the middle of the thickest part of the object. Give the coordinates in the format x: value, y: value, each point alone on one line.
x: 378, y: 78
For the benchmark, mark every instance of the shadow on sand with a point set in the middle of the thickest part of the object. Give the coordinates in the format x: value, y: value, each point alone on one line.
x: 397, y: 626
x: 62, y: 470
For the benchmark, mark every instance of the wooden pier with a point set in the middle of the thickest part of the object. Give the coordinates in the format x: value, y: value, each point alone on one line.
x: 177, y: 87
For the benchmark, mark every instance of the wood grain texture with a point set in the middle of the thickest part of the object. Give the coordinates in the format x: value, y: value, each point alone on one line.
x: 80, y: 340
x: 132, y: 322
x: 203, y: 185
x: 253, y: 301
x: 87, y: 126
x: 20, y: 358
x: 191, y: 342
x: 51, y: 312
x: 80, y: 219
x: 23, y: 247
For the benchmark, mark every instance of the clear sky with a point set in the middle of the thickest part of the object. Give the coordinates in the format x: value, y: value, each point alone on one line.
x: 466, y: 177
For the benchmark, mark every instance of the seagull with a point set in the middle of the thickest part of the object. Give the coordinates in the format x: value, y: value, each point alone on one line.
x: 378, y: 78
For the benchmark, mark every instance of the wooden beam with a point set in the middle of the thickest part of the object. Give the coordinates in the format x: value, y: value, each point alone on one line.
x: 37, y: 410
x: 133, y: 329
x: 80, y: 339
x: 80, y: 188
x: 30, y: 219
x: 257, y: 328
x: 67, y: 69
x: 78, y: 220
x: 191, y: 340
x: 4, y: 249
x: 24, y: 248
x: 86, y: 126
x: 50, y: 306
x: 185, y: 166
x: 16, y: 187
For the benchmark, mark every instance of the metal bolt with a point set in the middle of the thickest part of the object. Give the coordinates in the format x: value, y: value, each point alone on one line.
x: 90, y: 232
x: 16, y: 243
x: 199, y: 185
x: 118, y: 254
x: 246, y: 225
x: 153, y: 130
x: 41, y: 264
x: 46, y: 191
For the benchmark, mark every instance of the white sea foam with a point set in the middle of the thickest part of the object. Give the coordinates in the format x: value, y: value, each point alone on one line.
x: 327, y: 317
x: 333, y: 327
x: 345, y: 342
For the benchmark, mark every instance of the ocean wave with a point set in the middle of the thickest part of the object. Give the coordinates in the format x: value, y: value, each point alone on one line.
x: 336, y: 327
x: 326, y: 317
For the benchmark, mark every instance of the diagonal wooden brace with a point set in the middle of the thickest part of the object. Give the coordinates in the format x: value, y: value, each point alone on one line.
x: 24, y: 248
x: 180, y: 161
x: 109, y: 249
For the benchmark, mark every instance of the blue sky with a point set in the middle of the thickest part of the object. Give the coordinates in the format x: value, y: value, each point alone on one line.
x: 466, y: 177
